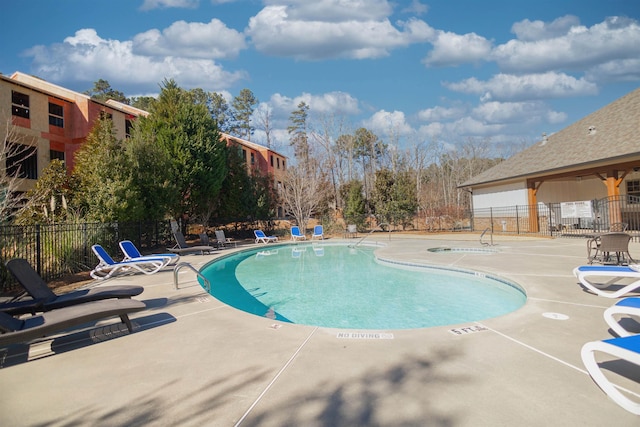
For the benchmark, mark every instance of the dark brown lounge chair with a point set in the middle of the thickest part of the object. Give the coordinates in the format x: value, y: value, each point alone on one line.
x: 44, y: 299
x: 183, y: 248
x: 15, y: 330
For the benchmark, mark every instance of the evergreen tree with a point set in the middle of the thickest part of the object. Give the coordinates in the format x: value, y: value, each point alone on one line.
x: 298, y: 137
x: 189, y: 136
x: 243, y: 106
x: 102, y: 91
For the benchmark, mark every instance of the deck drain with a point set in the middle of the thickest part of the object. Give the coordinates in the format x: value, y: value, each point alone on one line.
x: 555, y: 316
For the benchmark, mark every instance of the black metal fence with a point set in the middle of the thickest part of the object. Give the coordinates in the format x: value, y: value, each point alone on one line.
x: 55, y: 250
x: 561, y: 219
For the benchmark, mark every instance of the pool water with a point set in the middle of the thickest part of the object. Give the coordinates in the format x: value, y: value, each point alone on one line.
x: 342, y: 287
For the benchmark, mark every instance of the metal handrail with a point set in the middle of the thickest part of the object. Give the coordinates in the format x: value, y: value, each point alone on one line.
x: 186, y: 264
x: 482, y: 235
x: 368, y: 234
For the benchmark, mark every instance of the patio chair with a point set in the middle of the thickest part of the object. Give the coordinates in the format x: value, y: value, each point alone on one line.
x: 131, y: 253
x: 618, y: 226
x: 604, y: 247
x: 587, y: 274
x: 223, y: 240
x: 626, y: 306
x: 297, y: 234
x: 13, y: 330
x: 107, y: 267
x: 44, y: 299
x: 626, y: 348
x: 318, y: 232
x: 182, y: 247
x: 261, y: 237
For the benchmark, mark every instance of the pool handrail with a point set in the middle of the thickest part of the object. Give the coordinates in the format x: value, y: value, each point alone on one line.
x: 372, y: 230
x: 207, y: 284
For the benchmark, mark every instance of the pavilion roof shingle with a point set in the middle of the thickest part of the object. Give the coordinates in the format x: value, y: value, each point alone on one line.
x: 615, y: 135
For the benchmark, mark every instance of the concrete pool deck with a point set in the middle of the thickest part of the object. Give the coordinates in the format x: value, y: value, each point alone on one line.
x: 194, y: 361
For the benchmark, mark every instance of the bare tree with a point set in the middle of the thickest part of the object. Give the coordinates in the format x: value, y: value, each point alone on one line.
x: 13, y: 150
x: 304, y: 190
x: 263, y: 116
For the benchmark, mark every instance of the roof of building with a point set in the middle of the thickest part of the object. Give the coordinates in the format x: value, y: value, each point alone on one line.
x: 250, y: 144
x: 609, y: 135
x: 39, y: 85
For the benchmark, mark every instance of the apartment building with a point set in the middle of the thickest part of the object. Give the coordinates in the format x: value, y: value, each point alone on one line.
x: 53, y: 122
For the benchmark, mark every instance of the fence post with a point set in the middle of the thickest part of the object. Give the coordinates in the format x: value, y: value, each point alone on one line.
x: 517, y: 221
x: 38, y: 250
x: 491, y: 218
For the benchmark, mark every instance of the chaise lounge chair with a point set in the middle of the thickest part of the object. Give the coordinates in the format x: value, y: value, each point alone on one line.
x: 628, y: 349
x: 614, y: 273
x: 318, y: 232
x: 131, y: 253
x: 627, y: 306
x: 44, y: 299
x: 261, y: 237
x: 13, y: 330
x: 107, y: 267
x: 222, y: 240
x: 183, y: 248
x: 297, y: 234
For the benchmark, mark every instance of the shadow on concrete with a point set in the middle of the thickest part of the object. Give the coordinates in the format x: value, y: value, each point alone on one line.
x: 25, y: 352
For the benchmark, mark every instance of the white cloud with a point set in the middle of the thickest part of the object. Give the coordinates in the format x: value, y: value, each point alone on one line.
x: 331, y: 102
x: 503, y: 87
x: 194, y: 40
x: 450, y: 49
x: 156, y: 4
x: 518, y: 113
x: 334, y: 10
x: 88, y: 56
x: 281, y: 30
x: 539, y: 30
x: 416, y: 8
x: 387, y: 123
x: 438, y: 113
x: 578, y: 48
x: 623, y: 70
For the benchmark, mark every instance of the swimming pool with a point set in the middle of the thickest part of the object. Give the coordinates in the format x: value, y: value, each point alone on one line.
x: 337, y: 286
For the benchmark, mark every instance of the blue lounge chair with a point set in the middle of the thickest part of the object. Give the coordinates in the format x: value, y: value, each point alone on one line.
x: 131, y: 253
x: 318, y: 232
x: 614, y: 273
x: 296, y: 234
x: 13, y: 330
x: 261, y: 237
x: 44, y: 299
x: 107, y: 267
x: 628, y: 349
x: 627, y: 306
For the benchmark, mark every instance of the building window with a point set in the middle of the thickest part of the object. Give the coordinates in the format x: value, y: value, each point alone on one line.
x: 253, y: 158
x: 283, y: 165
x: 128, y: 127
x: 244, y: 155
x: 633, y: 191
x: 22, y: 161
x: 56, y: 115
x: 271, y: 157
x: 278, y: 163
x: 19, y: 104
x: 53, y: 154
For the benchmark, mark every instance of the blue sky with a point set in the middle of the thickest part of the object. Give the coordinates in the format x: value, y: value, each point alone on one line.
x: 413, y: 71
